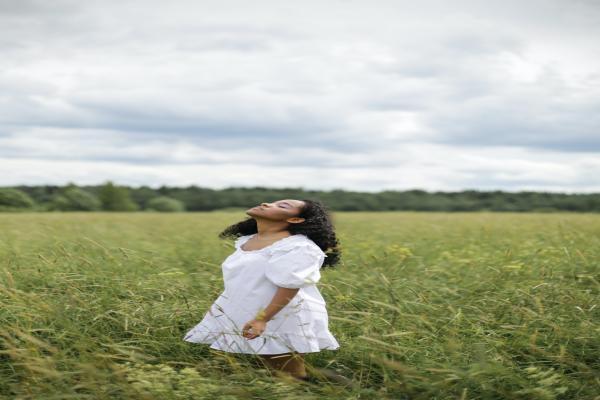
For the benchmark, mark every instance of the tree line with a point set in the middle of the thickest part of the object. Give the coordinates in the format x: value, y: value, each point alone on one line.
x: 111, y: 197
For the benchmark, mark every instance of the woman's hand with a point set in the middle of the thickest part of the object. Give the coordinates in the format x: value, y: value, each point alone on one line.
x: 253, y: 329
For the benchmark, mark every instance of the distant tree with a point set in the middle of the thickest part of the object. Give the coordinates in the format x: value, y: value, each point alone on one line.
x: 143, y: 195
x: 195, y: 198
x: 165, y: 204
x: 116, y: 198
x: 15, y: 199
x: 39, y: 194
x: 163, y: 190
x: 73, y: 198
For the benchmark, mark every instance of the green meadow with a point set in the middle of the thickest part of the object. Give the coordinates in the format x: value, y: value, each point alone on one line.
x: 424, y: 306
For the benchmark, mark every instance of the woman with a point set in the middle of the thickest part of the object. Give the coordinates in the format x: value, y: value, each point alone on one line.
x: 271, y: 306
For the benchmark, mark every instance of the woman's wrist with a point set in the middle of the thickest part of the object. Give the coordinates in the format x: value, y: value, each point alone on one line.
x: 261, y: 316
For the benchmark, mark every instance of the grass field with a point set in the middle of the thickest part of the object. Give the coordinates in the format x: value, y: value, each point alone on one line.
x: 424, y: 305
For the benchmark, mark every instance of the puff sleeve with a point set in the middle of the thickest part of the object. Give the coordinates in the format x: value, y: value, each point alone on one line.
x: 296, y: 267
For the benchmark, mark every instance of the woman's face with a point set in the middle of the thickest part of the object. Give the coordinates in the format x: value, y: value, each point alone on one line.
x: 280, y: 210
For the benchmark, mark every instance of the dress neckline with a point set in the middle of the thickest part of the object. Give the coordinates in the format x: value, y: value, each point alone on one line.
x: 266, y: 247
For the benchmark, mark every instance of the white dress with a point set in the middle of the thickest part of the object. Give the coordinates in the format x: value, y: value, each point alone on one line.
x: 251, y: 278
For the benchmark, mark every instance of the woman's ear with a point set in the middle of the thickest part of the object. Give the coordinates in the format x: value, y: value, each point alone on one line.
x: 295, y: 220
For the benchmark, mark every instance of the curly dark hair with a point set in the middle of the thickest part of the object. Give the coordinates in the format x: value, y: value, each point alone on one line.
x: 317, y: 226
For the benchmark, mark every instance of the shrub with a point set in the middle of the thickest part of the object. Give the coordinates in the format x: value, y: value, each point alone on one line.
x: 75, y: 199
x: 116, y: 198
x: 165, y: 204
x: 14, y: 199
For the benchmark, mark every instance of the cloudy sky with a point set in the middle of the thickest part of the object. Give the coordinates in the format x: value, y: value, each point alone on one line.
x: 357, y: 95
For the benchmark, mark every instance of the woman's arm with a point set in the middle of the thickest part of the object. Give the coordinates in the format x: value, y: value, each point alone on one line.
x: 281, y: 298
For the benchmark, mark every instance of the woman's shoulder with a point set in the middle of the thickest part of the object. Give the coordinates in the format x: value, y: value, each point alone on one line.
x: 241, y: 240
x: 296, y: 243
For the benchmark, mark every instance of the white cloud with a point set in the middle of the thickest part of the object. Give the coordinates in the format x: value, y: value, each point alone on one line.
x: 347, y: 94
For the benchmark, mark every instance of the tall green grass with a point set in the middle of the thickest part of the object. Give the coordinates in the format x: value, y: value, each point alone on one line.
x: 424, y: 305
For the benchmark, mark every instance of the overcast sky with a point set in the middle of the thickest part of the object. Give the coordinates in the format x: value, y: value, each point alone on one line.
x: 356, y: 95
